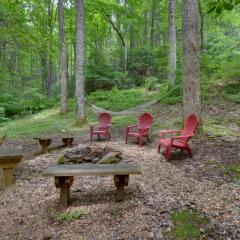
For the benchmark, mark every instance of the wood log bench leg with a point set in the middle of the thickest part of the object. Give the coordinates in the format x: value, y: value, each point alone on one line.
x: 64, y: 183
x: 45, y: 143
x: 120, y: 181
x: 7, y: 176
x: 67, y: 141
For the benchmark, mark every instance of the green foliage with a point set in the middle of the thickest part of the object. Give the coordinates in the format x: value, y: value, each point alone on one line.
x: 3, y: 117
x: 118, y: 100
x: 47, y: 121
x: 34, y: 101
x: 61, y: 160
x: 68, y: 216
x: 151, y: 83
x: 234, y: 169
x: 187, y: 224
x: 219, y: 5
x: 174, y: 97
x: 104, y: 78
x: 141, y: 61
x: 30, y: 101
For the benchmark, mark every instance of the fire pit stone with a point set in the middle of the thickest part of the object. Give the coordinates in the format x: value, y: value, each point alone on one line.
x: 91, y: 154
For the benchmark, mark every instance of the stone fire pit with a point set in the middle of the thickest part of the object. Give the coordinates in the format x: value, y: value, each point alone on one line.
x: 91, y: 154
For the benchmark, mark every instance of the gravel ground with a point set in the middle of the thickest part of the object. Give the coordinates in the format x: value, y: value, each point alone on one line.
x: 29, y: 207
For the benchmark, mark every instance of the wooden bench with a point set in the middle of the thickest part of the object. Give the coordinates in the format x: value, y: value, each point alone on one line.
x: 64, y: 176
x: 9, y: 158
x: 45, y: 141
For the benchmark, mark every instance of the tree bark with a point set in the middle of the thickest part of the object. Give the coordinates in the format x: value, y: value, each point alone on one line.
x: 145, y: 29
x: 191, y: 70
x: 153, y: 21
x: 132, y: 37
x: 172, y: 60
x: 80, y: 46
x: 202, y: 21
x: 126, y: 41
x: 118, y: 40
x: 49, y: 80
x: 63, y: 58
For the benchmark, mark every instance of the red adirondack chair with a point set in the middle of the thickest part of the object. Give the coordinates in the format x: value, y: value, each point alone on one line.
x: 145, y: 123
x: 180, y: 141
x: 104, y: 120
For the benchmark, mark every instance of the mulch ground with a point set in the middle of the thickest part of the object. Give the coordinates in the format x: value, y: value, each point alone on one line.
x: 29, y: 207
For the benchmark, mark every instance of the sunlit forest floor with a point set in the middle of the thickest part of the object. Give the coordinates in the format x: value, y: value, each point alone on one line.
x: 186, y: 198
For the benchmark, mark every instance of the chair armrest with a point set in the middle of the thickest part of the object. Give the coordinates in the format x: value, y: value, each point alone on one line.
x: 164, y: 132
x: 180, y: 137
x: 92, y: 126
x: 183, y: 136
x: 131, y: 126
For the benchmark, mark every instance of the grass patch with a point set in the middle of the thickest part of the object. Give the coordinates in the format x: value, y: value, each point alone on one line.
x: 51, y: 121
x: 118, y: 100
x: 234, y: 170
x: 68, y: 216
x: 187, y: 225
x: 47, y: 121
x: 219, y: 127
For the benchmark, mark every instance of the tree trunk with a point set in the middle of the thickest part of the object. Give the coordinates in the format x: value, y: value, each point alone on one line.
x: 153, y: 21
x: 145, y: 28
x: 80, y: 45
x: 191, y: 70
x: 202, y: 20
x: 132, y: 43
x: 132, y: 37
x: 126, y: 41
x: 50, y: 49
x: 63, y: 58
x: 119, y: 44
x: 172, y: 60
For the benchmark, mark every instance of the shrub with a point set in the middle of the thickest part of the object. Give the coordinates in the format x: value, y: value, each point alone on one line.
x: 3, y: 117
x: 150, y: 83
x: 105, y: 78
x: 30, y: 101
x: 140, y: 61
x: 11, y: 104
x: 117, y: 100
x: 68, y: 216
x: 34, y: 101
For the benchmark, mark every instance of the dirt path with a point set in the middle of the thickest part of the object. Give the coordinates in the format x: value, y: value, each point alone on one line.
x: 29, y: 207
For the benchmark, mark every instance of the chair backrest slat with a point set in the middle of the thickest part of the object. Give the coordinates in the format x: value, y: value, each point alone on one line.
x: 145, y: 120
x: 190, y: 126
x: 104, y: 119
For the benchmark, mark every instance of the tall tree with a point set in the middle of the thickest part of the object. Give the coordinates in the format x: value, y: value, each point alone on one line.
x: 153, y: 21
x: 202, y: 20
x: 172, y: 59
x: 125, y: 40
x: 50, y: 78
x: 80, y: 46
x: 63, y: 58
x: 191, y: 70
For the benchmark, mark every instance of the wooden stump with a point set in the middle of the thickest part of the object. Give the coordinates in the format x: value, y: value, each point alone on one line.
x: 64, y: 183
x: 67, y: 141
x: 120, y: 181
x: 45, y: 143
x: 7, y: 177
x: 9, y: 158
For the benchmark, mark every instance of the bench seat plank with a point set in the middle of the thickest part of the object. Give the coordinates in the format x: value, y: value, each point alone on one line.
x: 64, y: 176
x: 91, y: 169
